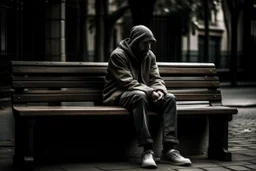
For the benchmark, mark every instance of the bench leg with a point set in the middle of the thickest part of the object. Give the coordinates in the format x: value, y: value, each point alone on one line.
x: 18, y: 149
x: 29, y: 155
x: 24, y: 145
x: 218, y: 138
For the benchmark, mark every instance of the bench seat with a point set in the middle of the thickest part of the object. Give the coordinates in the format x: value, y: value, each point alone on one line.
x: 34, y: 111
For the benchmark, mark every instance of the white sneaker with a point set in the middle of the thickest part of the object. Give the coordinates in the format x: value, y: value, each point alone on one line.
x: 174, y: 157
x: 147, y: 160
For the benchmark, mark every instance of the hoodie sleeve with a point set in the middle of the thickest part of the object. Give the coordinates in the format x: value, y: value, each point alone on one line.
x: 118, y: 67
x: 155, y: 80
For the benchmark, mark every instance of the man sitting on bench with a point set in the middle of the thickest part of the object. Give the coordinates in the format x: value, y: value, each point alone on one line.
x: 133, y: 82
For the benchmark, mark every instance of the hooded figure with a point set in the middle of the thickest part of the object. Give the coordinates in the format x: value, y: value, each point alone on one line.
x: 133, y: 81
x: 132, y: 67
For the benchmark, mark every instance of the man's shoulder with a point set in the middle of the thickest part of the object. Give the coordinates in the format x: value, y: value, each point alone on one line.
x: 118, y: 50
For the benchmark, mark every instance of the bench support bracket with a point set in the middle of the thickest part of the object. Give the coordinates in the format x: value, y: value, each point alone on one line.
x: 24, y: 143
x: 218, y: 138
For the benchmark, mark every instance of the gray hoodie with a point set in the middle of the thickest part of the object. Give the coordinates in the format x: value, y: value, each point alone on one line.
x: 124, y: 68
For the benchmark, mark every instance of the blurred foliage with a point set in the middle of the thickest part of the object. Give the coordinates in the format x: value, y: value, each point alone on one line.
x: 189, y: 10
x: 169, y: 7
x: 119, y: 3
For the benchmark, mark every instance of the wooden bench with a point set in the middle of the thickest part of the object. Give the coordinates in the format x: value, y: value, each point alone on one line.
x: 40, y: 88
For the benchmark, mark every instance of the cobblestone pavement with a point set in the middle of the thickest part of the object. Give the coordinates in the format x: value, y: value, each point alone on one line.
x: 242, y: 139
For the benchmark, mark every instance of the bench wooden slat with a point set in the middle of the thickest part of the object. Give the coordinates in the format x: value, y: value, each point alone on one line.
x: 102, y: 70
x: 192, y: 84
x: 99, y: 91
x: 95, y: 94
x: 109, y: 110
x: 194, y: 91
x: 97, y: 97
x: 57, y: 84
x: 62, y: 91
x: 57, y: 78
x: 186, y: 64
x: 187, y: 71
x: 58, y: 70
x: 101, y: 78
x: 191, y: 78
x: 56, y: 98
x: 104, y: 64
x: 76, y: 84
x: 57, y: 63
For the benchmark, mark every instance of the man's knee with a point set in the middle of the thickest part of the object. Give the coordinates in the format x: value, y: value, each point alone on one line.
x: 139, y: 98
x: 170, y: 97
x: 139, y: 95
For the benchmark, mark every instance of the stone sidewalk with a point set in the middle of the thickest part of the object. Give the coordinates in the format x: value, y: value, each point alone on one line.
x: 239, y: 96
x: 242, y: 144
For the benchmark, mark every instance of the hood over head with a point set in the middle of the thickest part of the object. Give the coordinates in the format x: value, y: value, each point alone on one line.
x: 139, y: 33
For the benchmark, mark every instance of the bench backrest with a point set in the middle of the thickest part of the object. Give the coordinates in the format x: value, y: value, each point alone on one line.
x: 50, y: 82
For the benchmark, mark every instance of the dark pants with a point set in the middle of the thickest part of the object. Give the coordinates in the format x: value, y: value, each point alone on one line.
x: 138, y: 104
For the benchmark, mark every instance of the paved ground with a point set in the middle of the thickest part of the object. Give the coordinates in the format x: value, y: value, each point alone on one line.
x: 239, y: 96
x: 242, y: 143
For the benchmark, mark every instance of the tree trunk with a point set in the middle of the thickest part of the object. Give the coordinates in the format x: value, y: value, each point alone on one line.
x: 83, y: 50
x: 235, y: 8
x: 99, y: 36
x: 18, y: 5
x: 226, y: 22
x: 206, y: 27
x: 233, y: 57
x: 142, y: 11
x: 108, y: 31
x: 110, y: 21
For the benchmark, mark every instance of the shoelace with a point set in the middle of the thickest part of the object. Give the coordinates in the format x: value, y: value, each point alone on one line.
x: 176, y: 154
x: 147, y: 155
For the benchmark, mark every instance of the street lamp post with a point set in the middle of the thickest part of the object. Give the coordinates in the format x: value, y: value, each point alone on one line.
x: 235, y: 7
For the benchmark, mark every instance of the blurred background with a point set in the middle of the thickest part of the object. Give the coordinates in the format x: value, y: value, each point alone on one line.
x: 222, y: 32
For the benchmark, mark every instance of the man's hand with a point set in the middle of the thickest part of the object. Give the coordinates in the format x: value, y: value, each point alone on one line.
x: 161, y: 95
x: 157, y: 95
x: 154, y: 96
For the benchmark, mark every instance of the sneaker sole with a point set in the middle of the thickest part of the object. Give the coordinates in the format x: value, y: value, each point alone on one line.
x: 176, y: 164
x: 149, y: 166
